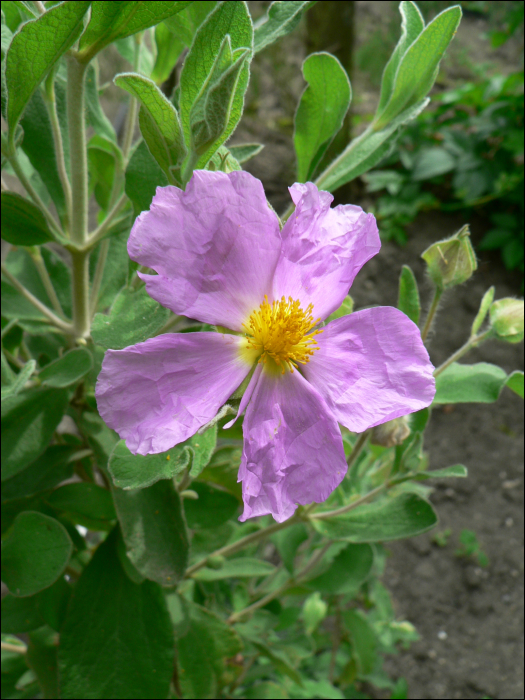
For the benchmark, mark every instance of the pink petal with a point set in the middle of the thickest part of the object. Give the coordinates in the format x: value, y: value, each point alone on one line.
x: 371, y: 367
x: 323, y: 250
x: 293, y: 451
x: 214, y: 247
x: 159, y: 393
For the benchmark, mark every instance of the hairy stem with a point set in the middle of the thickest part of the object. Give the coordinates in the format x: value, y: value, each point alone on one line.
x: 431, y: 313
x: 46, y: 280
x: 79, y: 191
x: 99, y: 233
x: 471, y: 343
x: 240, y: 544
x: 350, y: 506
x: 16, y: 648
x: 99, y: 273
x: 44, y: 310
x: 59, y: 146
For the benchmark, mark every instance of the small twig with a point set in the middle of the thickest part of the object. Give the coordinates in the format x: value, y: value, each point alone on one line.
x: 471, y: 343
x: 16, y: 648
x: 345, y: 509
x: 99, y: 233
x: 431, y: 313
x: 59, y: 146
x: 62, y: 325
x: 46, y: 280
x: 99, y: 273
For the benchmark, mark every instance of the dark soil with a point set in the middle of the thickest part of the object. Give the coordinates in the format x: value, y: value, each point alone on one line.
x: 470, y: 618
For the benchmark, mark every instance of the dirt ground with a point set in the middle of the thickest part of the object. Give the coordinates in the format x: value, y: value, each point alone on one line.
x: 470, y: 618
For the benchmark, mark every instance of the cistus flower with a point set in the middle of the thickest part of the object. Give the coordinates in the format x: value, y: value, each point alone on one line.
x: 221, y: 258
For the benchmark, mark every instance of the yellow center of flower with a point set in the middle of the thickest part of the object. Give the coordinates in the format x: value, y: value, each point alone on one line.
x: 280, y: 331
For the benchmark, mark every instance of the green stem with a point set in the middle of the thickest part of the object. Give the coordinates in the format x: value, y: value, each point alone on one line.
x: 99, y: 233
x: 129, y: 127
x: 46, y: 280
x: 278, y: 591
x: 99, y: 273
x: 244, y: 542
x: 345, y: 509
x: 431, y: 313
x: 40, y: 6
x: 79, y: 191
x: 471, y: 343
x: 44, y: 310
x: 59, y: 146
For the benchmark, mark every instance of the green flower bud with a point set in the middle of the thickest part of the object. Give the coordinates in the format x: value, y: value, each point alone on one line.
x: 506, y: 319
x: 391, y: 433
x: 215, y: 562
x: 451, y: 261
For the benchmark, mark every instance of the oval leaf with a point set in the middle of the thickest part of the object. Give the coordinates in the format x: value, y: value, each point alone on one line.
x: 246, y: 567
x: 408, y: 299
x: 479, y: 383
x: 347, y: 572
x: 68, y: 369
x: 22, y: 222
x: 35, y: 553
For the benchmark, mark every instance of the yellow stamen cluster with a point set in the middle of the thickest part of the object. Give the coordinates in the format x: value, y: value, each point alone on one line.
x: 279, y: 331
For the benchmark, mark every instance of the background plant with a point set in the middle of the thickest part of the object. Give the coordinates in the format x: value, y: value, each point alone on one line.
x: 131, y: 575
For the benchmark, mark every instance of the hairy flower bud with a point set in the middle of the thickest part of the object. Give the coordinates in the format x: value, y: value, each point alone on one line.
x: 451, y: 261
x: 391, y: 433
x: 506, y: 319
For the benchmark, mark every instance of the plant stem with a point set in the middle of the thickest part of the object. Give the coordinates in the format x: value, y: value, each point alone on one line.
x: 99, y: 233
x: 40, y: 6
x: 240, y: 544
x: 170, y: 323
x: 62, y: 325
x: 46, y: 280
x: 431, y: 313
x: 16, y: 648
x: 471, y: 343
x: 79, y: 191
x: 99, y: 273
x: 129, y: 127
x: 351, y: 506
x: 277, y: 592
x: 59, y: 146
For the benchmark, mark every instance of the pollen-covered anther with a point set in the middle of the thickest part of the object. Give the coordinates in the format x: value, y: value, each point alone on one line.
x: 281, y: 331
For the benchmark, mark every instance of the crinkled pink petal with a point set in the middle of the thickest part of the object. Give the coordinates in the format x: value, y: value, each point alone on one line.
x: 323, y: 249
x: 214, y: 247
x: 293, y: 450
x: 371, y: 367
x: 159, y: 393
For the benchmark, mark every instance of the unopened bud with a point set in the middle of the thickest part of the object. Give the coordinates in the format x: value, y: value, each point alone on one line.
x: 215, y: 562
x: 391, y: 433
x: 451, y: 261
x: 506, y: 319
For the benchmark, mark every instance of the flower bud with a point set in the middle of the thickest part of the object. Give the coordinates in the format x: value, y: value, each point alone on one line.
x: 451, y: 261
x: 506, y: 319
x: 391, y: 433
x: 215, y: 561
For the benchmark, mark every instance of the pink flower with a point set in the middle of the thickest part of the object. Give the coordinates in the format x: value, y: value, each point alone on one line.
x: 221, y: 258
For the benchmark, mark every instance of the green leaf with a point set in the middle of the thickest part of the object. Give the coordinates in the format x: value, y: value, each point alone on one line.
x: 67, y: 370
x: 116, y: 20
x: 211, y: 509
x: 35, y: 553
x: 28, y: 422
x: 39, y: 147
x: 321, y: 111
x: 431, y: 162
x: 19, y: 380
x: 363, y: 639
x: 228, y: 18
x: 346, y: 308
x: 347, y: 572
x: 288, y: 541
x: 184, y: 25
x: 282, y: 18
x: 365, y: 151
x: 392, y: 518
x: 105, y: 169
x: 457, y: 470
x: 279, y: 660
x: 20, y: 615
x: 143, y: 176
x: 133, y: 318
x: 85, y: 504
x: 244, y: 151
x: 417, y: 69
x: 479, y: 383
x: 22, y: 222
x: 159, y: 121
x: 408, y: 299
x: 484, y: 307
x: 244, y: 567
x: 117, y: 267
x: 125, y: 649
x: 201, y: 652
x: 34, y: 51
x: 130, y: 471
x: 44, y: 473
x: 52, y: 602
x: 412, y: 24
x: 94, y: 113
x: 515, y: 382
x: 154, y: 531
x: 169, y: 48
x: 42, y: 660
